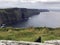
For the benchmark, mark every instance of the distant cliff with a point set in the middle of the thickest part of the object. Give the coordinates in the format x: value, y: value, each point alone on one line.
x: 12, y: 15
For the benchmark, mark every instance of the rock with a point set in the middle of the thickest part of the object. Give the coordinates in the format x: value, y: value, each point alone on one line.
x: 12, y: 15
x: 10, y: 42
x: 56, y: 42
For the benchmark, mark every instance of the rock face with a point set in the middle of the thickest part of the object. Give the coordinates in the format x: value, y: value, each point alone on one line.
x: 12, y: 15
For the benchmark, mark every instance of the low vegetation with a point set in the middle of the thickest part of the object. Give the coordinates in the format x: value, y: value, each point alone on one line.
x: 29, y: 34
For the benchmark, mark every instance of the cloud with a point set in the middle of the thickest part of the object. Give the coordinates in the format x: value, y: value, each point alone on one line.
x: 50, y: 0
x: 28, y: 0
x: 8, y: 0
x: 39, y: 0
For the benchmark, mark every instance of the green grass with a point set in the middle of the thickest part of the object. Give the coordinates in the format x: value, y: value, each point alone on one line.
x: 29, y: 34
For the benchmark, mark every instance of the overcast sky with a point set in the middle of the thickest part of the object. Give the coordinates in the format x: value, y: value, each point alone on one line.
x: 9, y: 3
x: 30, y: 0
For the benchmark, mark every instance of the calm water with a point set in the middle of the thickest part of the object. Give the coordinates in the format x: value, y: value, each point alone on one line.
x: 48, y: 19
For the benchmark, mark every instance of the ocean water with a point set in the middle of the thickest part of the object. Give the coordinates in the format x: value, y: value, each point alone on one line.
x: 44, y: 19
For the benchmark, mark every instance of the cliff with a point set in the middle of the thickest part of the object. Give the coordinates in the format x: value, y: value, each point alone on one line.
x: 12, y: 15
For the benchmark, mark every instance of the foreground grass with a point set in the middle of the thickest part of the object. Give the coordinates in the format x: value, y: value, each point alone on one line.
x: 29, y: 34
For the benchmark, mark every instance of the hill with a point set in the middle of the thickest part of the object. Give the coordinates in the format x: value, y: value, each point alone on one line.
x: 30, y: 34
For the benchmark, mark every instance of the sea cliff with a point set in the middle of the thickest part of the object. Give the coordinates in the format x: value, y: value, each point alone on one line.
x: 12, y: 15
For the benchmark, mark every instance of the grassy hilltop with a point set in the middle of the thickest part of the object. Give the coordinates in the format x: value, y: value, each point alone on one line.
x: 29, y: 34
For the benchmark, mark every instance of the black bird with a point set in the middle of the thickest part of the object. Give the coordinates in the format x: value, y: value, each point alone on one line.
x: 38, y: 40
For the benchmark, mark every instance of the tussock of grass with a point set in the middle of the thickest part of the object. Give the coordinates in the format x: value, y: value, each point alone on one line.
x: 29, y: 34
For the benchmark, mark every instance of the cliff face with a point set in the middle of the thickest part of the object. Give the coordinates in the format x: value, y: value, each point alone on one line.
x: 13, y: 15
x: 9, y: 16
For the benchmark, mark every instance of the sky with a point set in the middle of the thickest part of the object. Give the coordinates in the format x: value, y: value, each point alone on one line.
x: 30, y: 0
x: 41, y: 0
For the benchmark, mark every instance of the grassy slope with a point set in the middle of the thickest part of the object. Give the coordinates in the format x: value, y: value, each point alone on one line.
x: 29, y: 34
